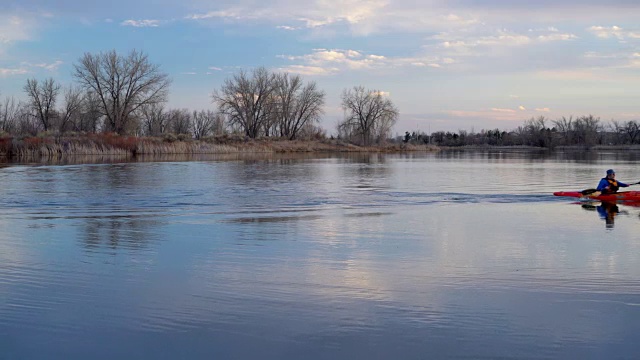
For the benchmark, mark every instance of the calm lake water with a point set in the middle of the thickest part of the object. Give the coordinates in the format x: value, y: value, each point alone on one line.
x: 420, y: 256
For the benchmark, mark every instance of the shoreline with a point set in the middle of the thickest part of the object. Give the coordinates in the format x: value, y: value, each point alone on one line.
x: 111, y: 146
x: 130, y: 146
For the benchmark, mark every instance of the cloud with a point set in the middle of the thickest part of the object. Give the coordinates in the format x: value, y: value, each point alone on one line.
x: 481, y: 37
x: 310, y: 70
x: 189, y: 73
x: 348, y: 59
x: 17, y: 28
x: 466, y: 43
x: 459, y: 20
x: 14, y: 28
x: 26, y: 68
x: 503, y: 110
x: 336, y: 60
x: 522, y: 108
x: 557, y: 37
x: 50, y: 67
x: 606, y: 32
x: 215, y: 68
x: 239, y: 13
x: 5, y: 72
x: 543, y: 109
x: 141, y: 23
x: 360, y: 17
x: 423, y: 64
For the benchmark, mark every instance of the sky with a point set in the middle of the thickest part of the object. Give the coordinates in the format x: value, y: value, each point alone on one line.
x: 447, y: 65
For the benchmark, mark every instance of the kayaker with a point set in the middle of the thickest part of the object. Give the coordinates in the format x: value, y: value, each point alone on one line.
x: 609, y: 184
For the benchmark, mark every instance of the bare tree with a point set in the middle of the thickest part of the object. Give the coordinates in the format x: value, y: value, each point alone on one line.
x: 91, y: 113
x: 10, y: 111
x: 42, y: 99
x: 565, y: 127
x: 366, y: 111
x: 295, y: 104
x: 245, y: 100
x: 179, y: 121
x: 123, y: 85
x: 632, y: 131
x: 207, y: 122
x: 587, y: 129
x: 70, y: 113
x: 27, y: 124
x: 154, y: 119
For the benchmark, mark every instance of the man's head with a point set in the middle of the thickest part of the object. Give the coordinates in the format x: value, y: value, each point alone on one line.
x: 611, y: 173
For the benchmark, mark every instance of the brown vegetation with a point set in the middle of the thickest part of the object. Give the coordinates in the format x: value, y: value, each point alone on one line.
x: 131, y: 146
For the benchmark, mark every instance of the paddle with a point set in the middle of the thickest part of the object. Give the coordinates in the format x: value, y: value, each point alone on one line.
x: 591, y: 191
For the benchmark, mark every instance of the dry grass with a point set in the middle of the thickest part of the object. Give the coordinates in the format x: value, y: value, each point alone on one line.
x: 129, y: 146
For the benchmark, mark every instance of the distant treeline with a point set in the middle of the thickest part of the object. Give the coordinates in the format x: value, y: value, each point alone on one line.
x: 126, y: 95
x: 540, y: 132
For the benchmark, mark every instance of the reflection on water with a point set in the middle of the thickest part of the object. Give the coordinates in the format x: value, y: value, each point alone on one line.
x: 609, y: 211
x: 412, y: 256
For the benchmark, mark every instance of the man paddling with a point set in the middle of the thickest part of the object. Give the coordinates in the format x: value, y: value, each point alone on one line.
x: 609, y: 184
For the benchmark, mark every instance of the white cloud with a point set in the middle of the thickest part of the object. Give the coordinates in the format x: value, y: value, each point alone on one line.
x: 232, y: 13
x: 557, y: 37
x: 5, y: 72
x: 476, y: 43
x: 550, y: 29
x: 310, y: 70
x: 606, y: 32
x: 459, y: 20
x: 522, y: 108
x: 503, y: 110
x: 14, y: 28
x: 189, y: 73
x: 362, y: 17
x: 141, y: 23
x: 543, y: 109
x: 423, y: 64
x: 50, y: 67
x: 349, y: 60
x: 26, y: 68
x: 215, y: 68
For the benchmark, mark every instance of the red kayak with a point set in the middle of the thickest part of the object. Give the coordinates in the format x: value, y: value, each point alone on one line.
x: 620, y: 196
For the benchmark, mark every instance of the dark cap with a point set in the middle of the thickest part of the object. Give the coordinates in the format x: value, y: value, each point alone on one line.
x: 610, y: 172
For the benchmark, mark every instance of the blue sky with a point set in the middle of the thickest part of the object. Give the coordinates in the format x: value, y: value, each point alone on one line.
x: 447, y: 65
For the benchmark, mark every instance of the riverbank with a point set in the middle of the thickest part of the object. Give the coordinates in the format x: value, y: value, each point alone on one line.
x: 129, y: 146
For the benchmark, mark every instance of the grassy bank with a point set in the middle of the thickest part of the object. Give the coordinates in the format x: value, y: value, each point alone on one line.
x: 130, y: 146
